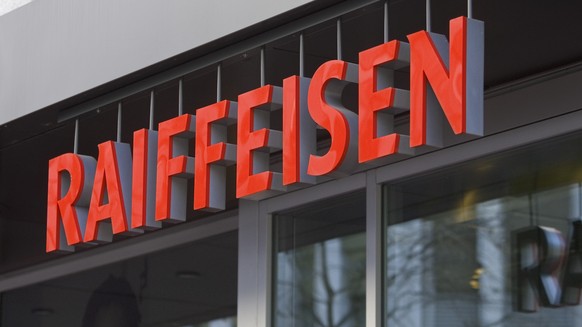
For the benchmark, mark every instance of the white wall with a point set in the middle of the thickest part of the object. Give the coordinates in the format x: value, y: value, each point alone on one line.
x: 53, y: 49
x: 9, y: 5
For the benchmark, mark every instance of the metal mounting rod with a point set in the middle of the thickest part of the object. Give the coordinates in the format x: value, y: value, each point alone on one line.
x: 339, y: 38
x: 180, y: 98
x: 428, y: 15
x: 386, y: 34
x: 76, y: 137
x: 262, y: 66
x: 151, y: 109
x: 119, y: 121
x: 218, y: 82
x: 301, y: 56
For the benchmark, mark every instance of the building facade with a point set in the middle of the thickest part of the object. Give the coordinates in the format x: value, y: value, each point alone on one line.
x: 479, y: 230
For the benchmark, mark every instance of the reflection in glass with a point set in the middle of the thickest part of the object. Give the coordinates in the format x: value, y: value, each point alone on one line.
x: 451, y: 253
x: 320, y: 265
x: 113, y: 303
x: 222, y: 322
x: 188, y: 286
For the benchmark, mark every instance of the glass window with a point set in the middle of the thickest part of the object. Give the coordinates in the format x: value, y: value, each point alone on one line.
x: 491, y: 242
x: 194, y: 285
x: 320, y: 264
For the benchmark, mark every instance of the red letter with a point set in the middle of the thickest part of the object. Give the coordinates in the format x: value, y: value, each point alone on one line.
x: 299, y: 131
x: 457, y: 82
x: 211, y: 147
x: 174, y: 167
x: 252, y: 174
x: 325, y: 90
x: 372, y: 102
x: 70, y: 208
x: 113, y: 174
x: 143, y: 201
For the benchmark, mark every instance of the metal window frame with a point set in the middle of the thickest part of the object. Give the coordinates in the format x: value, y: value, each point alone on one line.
x: 256, y: 244
x: 256, y: 218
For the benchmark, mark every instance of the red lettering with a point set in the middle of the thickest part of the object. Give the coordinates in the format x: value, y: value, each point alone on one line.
x: 446, y: 83
x: 174, y: 167
x: 456, y: 80
x: 336, y: 119
x: 299, y: 138
x: 112, y: 182
x: 372, y: 102
x: 75, y: 174
x: 143, y: 198
x: 211, y: 148
x: 252, y: 174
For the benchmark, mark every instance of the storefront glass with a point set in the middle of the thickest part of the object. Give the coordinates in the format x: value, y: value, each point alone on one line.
x: 193, y: 285
x: 491, y: 242
x: 320, y: 263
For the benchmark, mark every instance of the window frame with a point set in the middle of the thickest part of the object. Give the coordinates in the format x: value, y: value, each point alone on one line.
x: 256, y: 234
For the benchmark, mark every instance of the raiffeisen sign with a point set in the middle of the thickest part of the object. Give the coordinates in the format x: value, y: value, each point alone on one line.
x: 126, y: 191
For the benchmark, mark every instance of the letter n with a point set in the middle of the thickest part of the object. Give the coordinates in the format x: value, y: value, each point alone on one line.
x: 455, y: 74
